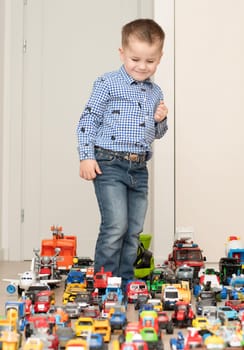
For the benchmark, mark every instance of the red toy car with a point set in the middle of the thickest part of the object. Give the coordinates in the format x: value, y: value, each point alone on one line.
x: 44, y: 300
x: 135, y: 288
x: 165, y: 322
x: 183, y: 314
x: 235, y: 304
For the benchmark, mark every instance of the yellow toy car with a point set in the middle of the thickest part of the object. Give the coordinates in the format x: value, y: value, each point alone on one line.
x: 200, y: 322
x: 156, y: 303
x: 84, y: 326
x: 76, y: 343
x: 33, y: 343
x: 102, y: 326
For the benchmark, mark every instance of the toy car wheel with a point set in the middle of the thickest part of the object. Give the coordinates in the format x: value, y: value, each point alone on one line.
x: 159, y: 345
x: 170, y: 328
x: 189, y: 323
x: 121, y: 338
x: 28, y: 331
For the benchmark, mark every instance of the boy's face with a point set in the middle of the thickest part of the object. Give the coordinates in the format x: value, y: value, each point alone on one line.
x: 140, y: 58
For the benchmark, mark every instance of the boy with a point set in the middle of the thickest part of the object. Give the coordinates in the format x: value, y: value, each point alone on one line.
x: 123, y: 116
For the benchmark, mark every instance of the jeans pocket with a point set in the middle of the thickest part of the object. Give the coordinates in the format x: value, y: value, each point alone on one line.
x: 104, y: 157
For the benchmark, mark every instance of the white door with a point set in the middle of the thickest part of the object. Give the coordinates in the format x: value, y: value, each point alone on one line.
x: 68, y: 43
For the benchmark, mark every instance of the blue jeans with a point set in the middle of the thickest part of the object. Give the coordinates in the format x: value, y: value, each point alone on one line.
x: 122, y: 195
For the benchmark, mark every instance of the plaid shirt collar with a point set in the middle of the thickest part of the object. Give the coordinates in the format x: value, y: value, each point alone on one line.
x: 129, y: 78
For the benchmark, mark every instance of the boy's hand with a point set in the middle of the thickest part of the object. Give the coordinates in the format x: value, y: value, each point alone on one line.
x: 89, y: 169
x: 161, y: 112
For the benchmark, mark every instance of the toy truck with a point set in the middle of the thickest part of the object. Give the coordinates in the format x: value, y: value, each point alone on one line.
x: 227, y: 268
x: 67, y: 245
x: 186, y: 252
x: 113, y: 294
x: 17, y: 311
x: 235, y: 249
x: 100, y: 281
x: 173, y: 292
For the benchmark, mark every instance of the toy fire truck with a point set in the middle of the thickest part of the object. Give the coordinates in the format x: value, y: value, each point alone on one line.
x: 186, y: 252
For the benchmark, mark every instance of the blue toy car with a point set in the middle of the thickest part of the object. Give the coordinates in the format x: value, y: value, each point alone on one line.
x: 74, y: 276
x: 230, y: 313
x: 118, y: 321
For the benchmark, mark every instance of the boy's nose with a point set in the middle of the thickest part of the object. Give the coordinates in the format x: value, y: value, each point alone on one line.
x: 142, y: 65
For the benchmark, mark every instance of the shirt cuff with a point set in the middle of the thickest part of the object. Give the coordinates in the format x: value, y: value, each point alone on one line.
x: 86, y: 152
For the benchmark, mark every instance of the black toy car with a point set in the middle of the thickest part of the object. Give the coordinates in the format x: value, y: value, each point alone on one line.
x: 205, y: 298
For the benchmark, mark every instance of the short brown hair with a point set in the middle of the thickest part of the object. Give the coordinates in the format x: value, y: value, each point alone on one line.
x: 144, y: 29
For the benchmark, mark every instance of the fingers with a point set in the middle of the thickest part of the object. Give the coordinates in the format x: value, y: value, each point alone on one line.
x: 89, y: 169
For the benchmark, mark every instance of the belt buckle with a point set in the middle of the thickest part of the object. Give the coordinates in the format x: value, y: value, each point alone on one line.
x: 133, y: 157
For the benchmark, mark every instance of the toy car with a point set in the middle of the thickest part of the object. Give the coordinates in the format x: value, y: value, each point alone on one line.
x: 170, y: 296
x: 33, y: 343
x: 95, y: 342
x: 205, y: 298
x: 164, y: 322
x: 200, y: 322
x: 37, y: 322
x: 230, y: 313
x: 92, y: 311
x: 141, y: 300
x: 156, y: 304
x: 159, y: 276
x: 64, y: 334
x: 152, y: 338
x: 185, y: 273
x: 118, y: 320
x: 82, y: 263
x: 73, y: 309
x: 76, y: 343
x: 72, y: 290
x: 102, y: 326
x: 210, y: 279
x: 183, y: 314
x: 74, y: 276
x: 84, y: 326
x: 134, y: 288
x: 237, y: 305
x: 44, y: 300
x: 83, y: 299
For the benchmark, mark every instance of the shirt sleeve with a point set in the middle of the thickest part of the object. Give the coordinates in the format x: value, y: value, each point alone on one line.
x: 161, y: 128
x: 91, y: 118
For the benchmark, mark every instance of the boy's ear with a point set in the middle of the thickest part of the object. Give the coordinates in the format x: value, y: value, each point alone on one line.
x: 161, y: 56
x: 121, y: 53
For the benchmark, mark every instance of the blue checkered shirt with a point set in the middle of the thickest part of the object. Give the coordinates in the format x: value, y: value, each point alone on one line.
x: 119, y: 116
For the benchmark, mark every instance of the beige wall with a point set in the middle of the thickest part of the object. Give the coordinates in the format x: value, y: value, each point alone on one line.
x: 209, y: 120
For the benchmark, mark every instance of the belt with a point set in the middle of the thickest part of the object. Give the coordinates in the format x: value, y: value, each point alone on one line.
x: 132, y: 157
